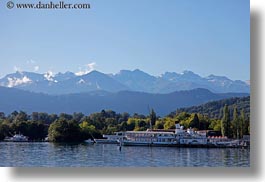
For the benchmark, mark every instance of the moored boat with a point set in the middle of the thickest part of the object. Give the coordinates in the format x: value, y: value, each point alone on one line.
x: 17, y: 138
x: 149, y: 138
x: 177, y: 138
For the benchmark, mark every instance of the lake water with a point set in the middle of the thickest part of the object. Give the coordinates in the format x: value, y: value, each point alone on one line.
x: 109, y: 155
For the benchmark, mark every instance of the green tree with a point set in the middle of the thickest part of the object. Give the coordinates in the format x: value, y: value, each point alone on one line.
x: 36, y: 130
x: 131, y: 124
x: 4, y: 130
x: 152, y: 118
x: 78, y: 116
x: 51, y: 118
x: 243, y: 123
x: 204, y: 122
x: 215, y: 125
x: 2, y: 115
x: 125, y: 116
x: 169, y: 123
x: 159, y: 125
x: 13, y: 115
x: 247, y: 126
x: 235, y: 124
x: 20, y: 127
x: 63, y: 130
x: 21, y: 116
x: 89, y: 130
x: 66, y: 116
x: 225, y: 122
x: 195, y: 122
x: 43, y: 117
x: 123, y: 126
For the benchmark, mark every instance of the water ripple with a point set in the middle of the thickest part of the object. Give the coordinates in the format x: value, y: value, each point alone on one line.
x: 98, y: 155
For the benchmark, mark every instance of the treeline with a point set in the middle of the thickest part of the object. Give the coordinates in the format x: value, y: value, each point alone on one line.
x: 62, y: 127
x: 20, y: 122
x: 214, y: 109
x: 231, y: 126
x: 78, y: 127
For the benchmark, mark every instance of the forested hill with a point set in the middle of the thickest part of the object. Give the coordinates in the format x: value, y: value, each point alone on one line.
x: 126, y: 101
x: 213, y: 109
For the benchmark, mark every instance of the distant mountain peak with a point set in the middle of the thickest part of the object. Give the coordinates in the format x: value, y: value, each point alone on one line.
x: 20, y: 72
x: 12, y: 82
x: 132, y: 80
x: 217, y: 77
x: 49, y: 76
x: 190, y: 73
x: 81, y: 73
x: 96, y: 72
x: 65, y: 73
x: 131, y: 71
x: 138, y: 70
x: 187, y: 72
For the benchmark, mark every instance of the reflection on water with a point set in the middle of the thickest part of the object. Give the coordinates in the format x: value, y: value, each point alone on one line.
x: 107, y: 155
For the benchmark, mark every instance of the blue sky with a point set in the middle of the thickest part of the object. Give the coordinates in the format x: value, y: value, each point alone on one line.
x: 204, y: 36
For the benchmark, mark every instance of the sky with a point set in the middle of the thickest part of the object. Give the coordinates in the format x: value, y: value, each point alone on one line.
x: 203, y: 36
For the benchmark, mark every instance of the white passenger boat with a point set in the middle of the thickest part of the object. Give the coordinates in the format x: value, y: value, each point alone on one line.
x: 162, y: 137
x: 178, y: 138
x: 149, y: 138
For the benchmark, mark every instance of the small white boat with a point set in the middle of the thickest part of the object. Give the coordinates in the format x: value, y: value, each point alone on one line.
x: 17, y: 138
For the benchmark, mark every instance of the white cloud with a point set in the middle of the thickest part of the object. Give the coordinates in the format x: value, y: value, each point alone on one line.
x: 88, y: 68
x: 32, y: 64
x: 31, y: 61
x: 36, y: 68
x: 12, y: 82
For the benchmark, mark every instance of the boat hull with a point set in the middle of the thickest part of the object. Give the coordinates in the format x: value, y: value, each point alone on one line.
x: 106, y: 141
x: 151, y: 144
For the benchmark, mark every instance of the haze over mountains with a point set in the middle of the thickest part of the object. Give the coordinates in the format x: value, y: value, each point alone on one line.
x: 12, y: 99
x: 125, y: 80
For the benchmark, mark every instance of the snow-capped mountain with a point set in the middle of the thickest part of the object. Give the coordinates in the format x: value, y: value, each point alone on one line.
x: 93, y: 81
x: 224, y: 84
x: 64, y: 76
x: 136, y: 80
x: 184, y: 76
x: 22, y: 79
x: 61, y: 83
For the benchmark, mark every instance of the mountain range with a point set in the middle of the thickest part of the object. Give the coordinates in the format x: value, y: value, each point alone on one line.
x: 12, y: 99
x: 125, y: 80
